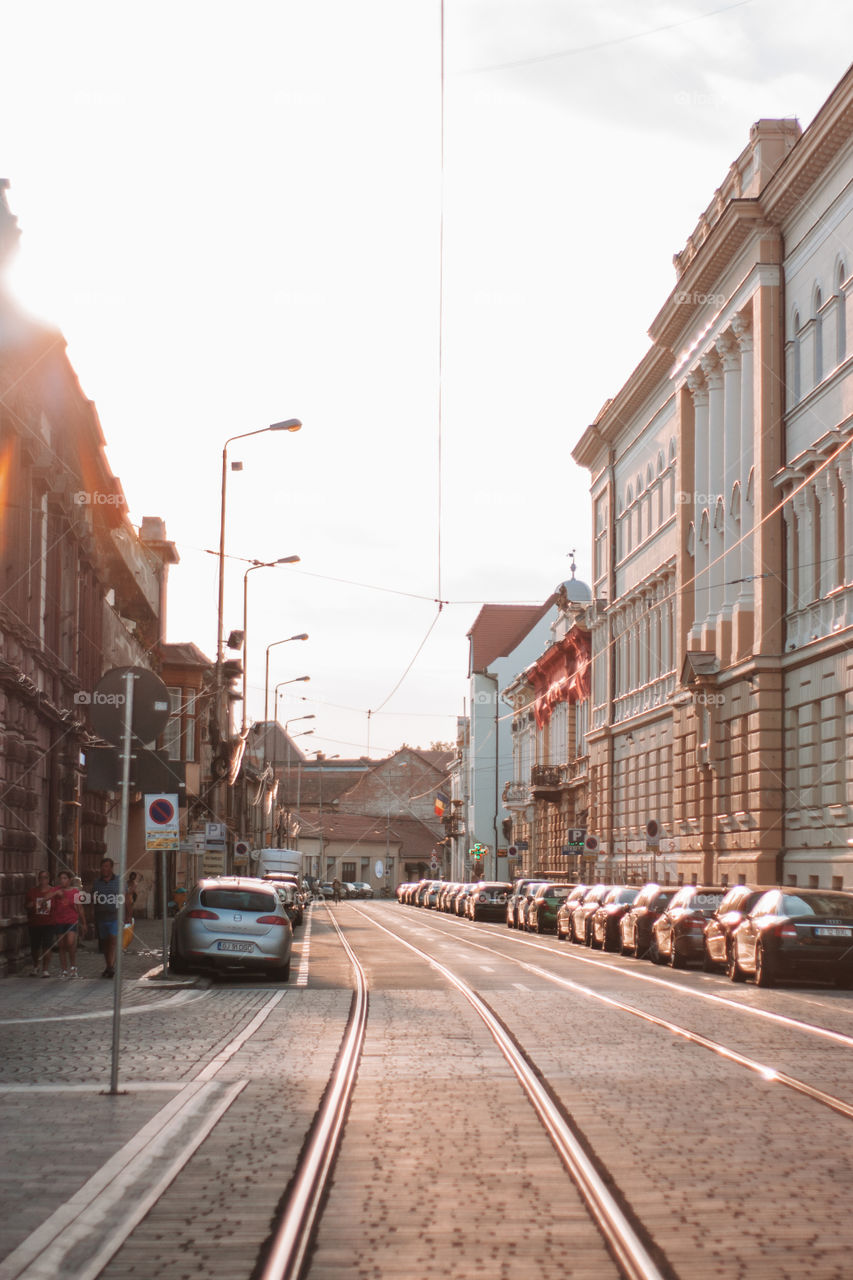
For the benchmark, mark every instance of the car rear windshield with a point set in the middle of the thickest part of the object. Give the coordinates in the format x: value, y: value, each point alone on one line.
x: 817, y: 904
x: 237, y: 900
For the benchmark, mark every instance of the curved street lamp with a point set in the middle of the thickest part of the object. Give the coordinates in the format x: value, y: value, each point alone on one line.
x: 258, y: 564
x: 303, y: 635
x: 290, y: 424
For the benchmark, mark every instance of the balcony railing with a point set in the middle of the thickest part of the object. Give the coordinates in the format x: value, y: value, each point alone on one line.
x: 516, y: 794
x: 548, y: 776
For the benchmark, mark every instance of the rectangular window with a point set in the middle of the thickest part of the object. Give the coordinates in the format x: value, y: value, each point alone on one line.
x: 348, y: 871
x: 172, y: 733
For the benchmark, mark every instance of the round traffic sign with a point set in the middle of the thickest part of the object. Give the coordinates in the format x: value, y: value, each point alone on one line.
x: 161, y: 811
x: 151, y: 706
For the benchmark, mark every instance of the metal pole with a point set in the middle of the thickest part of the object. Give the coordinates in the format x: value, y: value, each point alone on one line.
x: 122, y: 868
x: 165, y: 896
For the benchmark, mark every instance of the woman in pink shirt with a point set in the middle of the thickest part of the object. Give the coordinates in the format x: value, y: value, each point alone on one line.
x: 39, y: 900
x: 66, y: 915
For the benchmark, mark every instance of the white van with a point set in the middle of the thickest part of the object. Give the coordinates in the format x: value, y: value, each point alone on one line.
x: 263, y: 862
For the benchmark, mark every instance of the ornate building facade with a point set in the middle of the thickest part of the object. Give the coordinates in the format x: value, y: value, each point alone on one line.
x: 722, y: 534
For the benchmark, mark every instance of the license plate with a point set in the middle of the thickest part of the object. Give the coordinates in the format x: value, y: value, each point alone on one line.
x: 823, y: 932
x: 242, y: 947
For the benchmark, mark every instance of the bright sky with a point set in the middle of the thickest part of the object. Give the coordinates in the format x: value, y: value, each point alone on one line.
x: 232, y: 213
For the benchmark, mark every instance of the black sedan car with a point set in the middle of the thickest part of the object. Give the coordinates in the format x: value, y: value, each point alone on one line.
x: 487, y: 901
x: 678, y: 935
x: 800, y: 933
x: 737, y: 903
x: 605, y: 921
x: 635, y: 927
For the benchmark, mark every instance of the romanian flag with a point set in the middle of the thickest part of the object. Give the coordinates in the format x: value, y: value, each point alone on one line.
x: 441, y: 803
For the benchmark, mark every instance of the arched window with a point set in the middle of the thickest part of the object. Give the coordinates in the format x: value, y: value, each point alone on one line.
x: 840, y: 314
x: 818, y: 336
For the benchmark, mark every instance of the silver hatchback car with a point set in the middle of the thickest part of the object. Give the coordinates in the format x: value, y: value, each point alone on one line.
x: 232, y: 923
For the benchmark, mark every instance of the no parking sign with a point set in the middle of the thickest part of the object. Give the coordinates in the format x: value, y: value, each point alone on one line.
x: 162, y: 823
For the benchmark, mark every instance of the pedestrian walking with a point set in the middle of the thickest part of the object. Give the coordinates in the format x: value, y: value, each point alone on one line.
x: 67, y: 917
x: 39, y: 901
x: 105, y: 892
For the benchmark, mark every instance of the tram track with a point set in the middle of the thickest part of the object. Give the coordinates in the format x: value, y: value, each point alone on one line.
x: 287, y: 1254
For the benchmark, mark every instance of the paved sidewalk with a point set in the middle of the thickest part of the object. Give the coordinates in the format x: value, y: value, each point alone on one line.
x: 24, y: 997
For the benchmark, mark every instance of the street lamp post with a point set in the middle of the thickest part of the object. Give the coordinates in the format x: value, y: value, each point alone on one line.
x: 291, y: 424
x: 222, y: 714
x: 304, y: 734
x: 292, y: 720
x: 257, y: 565
x: 303, y: 635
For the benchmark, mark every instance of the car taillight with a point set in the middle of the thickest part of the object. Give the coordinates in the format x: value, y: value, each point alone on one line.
x: 272, y: 920
x: 786, y: 931
x: 199, y: 914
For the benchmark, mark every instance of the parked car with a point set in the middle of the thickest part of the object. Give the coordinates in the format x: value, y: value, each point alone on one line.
x: 292, y: 904
x: 679, y: 932
x: 429, y: 894
x: 487, y: 901
x: 737, y: 903
x: 581, y: 918
x: 542, y: 912
x: 635, y: 927
x: 326, y: 889
x: 524, y: 901
x: 363, y: 889
x: 296, y: 901
x: 519, y: 890
x: 448, y: 894
x: 461, y: 899
x: 232, y: 923
x: 605, y: 921
x: 564, y: 914
x: 801, y: 933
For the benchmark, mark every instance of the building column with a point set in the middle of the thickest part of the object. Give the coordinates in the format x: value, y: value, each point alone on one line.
x: 803, y: 503
x: 826, y: 572
x: 729, y: 353
x: 791, y: 576
x: 699, y: 392
x: 712, y: 369
x: 845, y: 475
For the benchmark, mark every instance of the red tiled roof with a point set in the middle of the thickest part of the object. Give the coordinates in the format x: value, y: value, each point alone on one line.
x: 498, y: 628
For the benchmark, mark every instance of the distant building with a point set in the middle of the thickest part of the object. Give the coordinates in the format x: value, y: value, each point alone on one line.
x: 548, y: 795
x: 503, y: 640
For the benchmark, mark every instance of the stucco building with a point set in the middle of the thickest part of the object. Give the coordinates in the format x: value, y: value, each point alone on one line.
x: 722, y: 535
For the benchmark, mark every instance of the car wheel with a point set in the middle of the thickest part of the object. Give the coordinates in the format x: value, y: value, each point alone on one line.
x: 282, y: 974
x: 538, y: 925
x: 844, y: 981
x: 176, y: 964
x: 708, y: 965
x: 764, y: 975
x: 654, y: 951
x: 733, y: 968
x: 675, y: 960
